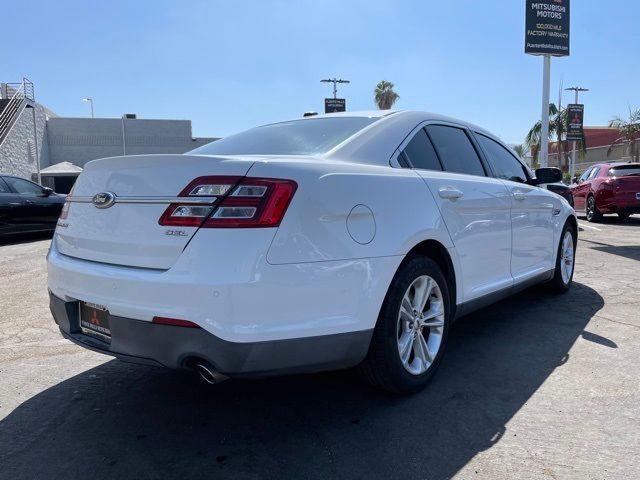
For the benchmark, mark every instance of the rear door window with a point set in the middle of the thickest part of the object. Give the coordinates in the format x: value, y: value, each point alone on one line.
x: 505, y: 165
x: 4, y: 188
x: 24, y: 187
x: 419, y: 153
x: 455, y: 150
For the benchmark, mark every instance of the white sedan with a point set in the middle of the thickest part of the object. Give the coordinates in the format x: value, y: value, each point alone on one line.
x: 319, y: 243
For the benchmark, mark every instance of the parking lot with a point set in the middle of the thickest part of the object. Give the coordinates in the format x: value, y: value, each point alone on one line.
x: 537, y: 386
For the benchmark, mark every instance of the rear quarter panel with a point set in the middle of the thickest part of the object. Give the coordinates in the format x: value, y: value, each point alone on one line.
x: 387, y: 210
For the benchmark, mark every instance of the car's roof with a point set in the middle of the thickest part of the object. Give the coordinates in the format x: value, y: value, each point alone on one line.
x: 403, y: 113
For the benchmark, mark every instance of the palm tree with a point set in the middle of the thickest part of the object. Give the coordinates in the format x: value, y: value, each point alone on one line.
x: 557, y: 130
x: 385, y: 97
x: 629, y: 132
x: 521, y: 150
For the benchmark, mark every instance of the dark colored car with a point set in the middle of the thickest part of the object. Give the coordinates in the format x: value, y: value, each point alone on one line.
x: 608, y: 188
x: 26, y: 206
x: 562, y: 190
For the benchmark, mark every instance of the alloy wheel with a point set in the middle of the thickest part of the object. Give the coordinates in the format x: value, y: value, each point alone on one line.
x: 420, y: 326
x: 567, y: 257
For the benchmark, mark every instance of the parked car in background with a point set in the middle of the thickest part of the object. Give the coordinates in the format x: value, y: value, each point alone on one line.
x: 27, y: 207
x: 315, y: 244
x: 608, y: 188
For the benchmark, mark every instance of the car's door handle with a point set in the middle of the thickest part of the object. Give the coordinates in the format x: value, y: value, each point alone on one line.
x: 28, y: 201
x: 450, y: 193
x: 520, y: 196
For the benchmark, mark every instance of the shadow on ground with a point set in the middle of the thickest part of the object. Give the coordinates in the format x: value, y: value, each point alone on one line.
x: 126, y: 421
x: 631, y: 252
x: 24, y: 238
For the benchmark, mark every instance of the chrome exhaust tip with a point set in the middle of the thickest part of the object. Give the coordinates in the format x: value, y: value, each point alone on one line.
x: 208, y: 374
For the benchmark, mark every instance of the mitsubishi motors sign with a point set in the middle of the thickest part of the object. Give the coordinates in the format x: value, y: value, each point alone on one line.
x: 547, y: 27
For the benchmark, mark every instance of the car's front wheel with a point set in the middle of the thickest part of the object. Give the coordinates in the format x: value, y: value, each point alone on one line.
x: 411, y: 332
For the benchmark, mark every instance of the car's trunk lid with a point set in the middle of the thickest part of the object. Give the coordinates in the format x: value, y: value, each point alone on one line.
x: 128, y: 232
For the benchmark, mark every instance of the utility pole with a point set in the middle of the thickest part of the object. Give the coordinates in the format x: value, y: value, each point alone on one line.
x: 572, y: 167
x: 335, y: 82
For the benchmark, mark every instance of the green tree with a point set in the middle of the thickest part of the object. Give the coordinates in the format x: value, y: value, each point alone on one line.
x: 521, y: 150
x: 629, y: 131
x: 385, y: 97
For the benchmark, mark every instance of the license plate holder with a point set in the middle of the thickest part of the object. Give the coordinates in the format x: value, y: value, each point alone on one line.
x: 94, y: 321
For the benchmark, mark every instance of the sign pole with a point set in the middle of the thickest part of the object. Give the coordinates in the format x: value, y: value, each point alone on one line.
x: 544, y: 131
x: 572, y: 169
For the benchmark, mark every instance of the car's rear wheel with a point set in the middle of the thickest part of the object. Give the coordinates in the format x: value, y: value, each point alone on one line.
x: 593, y: 214
x: 411, y: 332
x: 565, y: 261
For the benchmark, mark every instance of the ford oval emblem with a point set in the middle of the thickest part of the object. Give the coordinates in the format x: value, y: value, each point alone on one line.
x: 104, y: 199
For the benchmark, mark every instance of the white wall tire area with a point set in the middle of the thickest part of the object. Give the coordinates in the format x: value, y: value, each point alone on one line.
x: 411, y: 332
x: 565, y: 261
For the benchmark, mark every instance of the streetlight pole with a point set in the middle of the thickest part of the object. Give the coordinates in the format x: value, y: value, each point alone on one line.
x: 90, y: 100
x: 572, y: 168
x: 335, y: 81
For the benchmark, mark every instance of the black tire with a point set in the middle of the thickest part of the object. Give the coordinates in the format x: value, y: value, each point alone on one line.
x: 382, y: 367
x: 558, y: 283
x: 624, y: 216
x: 593, y: 214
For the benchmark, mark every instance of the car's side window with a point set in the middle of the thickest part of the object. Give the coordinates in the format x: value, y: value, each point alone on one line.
x: 505, y: 165
x: 4, y: 188
x: 419, y: 153
x: 585, y: 175
x: 455, y: 150
x: 24, y: 186
x: 594, y: 172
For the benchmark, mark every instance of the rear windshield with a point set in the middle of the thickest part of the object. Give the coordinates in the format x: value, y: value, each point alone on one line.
x: 624, y: 171
x: 313, y: 136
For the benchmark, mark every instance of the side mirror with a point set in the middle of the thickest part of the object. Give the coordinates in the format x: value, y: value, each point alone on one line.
x: 548, y: 175
x: 46, y: 191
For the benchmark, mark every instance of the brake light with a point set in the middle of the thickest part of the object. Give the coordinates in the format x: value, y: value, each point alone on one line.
x: 235, y: 202
x: 64, y: 213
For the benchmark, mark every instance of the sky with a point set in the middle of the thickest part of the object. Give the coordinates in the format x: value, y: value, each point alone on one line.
x: 231, y: 65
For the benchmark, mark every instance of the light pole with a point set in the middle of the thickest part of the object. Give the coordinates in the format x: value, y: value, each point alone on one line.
x: 90, y: 100
x: 335, y: 81
x: 572, y: 168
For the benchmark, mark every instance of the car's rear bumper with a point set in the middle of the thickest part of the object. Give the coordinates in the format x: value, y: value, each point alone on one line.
x: 140, y: 341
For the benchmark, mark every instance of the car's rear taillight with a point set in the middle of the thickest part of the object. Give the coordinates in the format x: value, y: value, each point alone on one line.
x: 64, y: 213
x: 234, y: 202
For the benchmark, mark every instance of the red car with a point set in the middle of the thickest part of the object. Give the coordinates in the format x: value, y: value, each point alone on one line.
x: 608, y: 188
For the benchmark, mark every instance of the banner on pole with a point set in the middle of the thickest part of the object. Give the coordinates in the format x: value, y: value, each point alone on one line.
x: 575, y: 121
x: 547, y: 27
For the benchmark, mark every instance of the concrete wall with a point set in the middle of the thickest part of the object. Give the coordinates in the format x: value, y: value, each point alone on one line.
x: 79, y: 140
x: 17, y: 151
x: 596, y: 155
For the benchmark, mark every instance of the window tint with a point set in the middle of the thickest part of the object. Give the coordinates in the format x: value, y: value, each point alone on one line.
x: 4, y: 188
x: 311, y: 136
x: 584, y: 176
x: 23, y: 186
x: 624, y: 171
x: 594, y: 172
x: 420, y: 153
x: 504, y: 163
x: 455, y: 150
